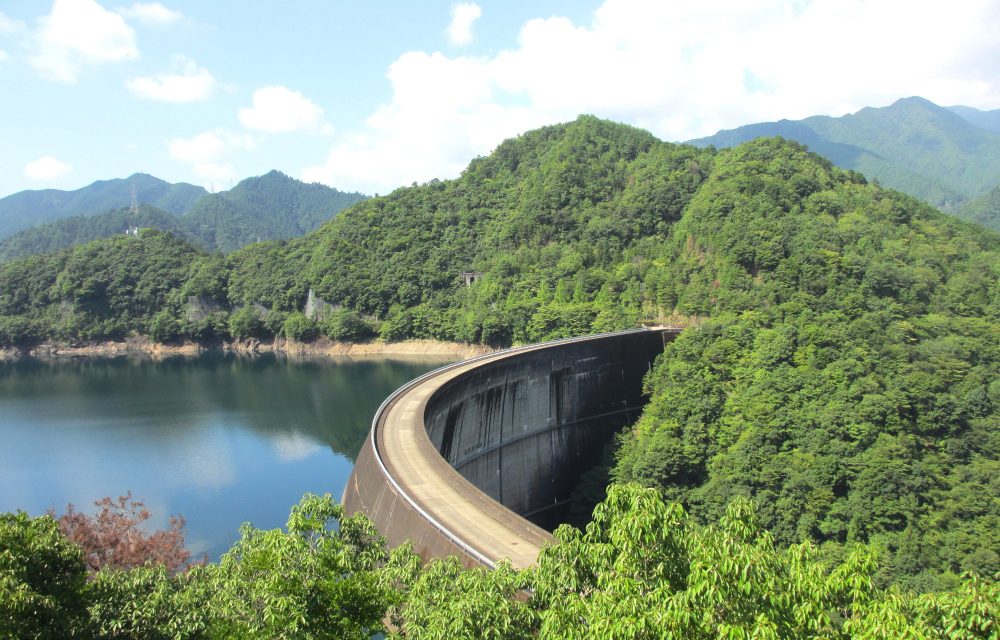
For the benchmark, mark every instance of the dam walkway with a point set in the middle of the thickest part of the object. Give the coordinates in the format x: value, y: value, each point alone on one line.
x: 459, y: 459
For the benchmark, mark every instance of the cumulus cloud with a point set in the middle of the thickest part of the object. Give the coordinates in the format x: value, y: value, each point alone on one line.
x: 9, y: 26
x: 281, y: 110
x: 151, y: 14
x: 47, y: 168
x: 681, y: 70
x: 11, y: 29
x: 77, y: 33
x: 206, y: 153
x: 186, y: 83
x: 463, y: 16
x: 443, y: 113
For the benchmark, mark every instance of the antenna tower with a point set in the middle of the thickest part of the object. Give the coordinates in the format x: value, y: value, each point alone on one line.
x: 134, y: 209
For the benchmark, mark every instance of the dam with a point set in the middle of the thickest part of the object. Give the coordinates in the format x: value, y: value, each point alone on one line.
x: 474, y: 459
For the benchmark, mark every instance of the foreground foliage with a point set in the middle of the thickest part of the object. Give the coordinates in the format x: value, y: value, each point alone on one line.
x: 317, y: 579
x: 641, y: 569
x: 114, y: 537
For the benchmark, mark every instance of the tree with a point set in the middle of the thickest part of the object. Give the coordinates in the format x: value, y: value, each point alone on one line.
x: 444, y: 600
x: 298, y: 327
x: 114, y: 538
x: 318, y: 579
x: 41, y: 579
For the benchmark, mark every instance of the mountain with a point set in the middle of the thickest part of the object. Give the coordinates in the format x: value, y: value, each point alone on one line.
x: 68, y: 232
x: 943, y: 156
x: 28, y: 208
x: 989, y: 120
x: 841, y: 362
x: 984, y: 210
x: 268, y: 207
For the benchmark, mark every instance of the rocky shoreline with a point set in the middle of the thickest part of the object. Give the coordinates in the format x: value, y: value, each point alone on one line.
x: 144, y: 347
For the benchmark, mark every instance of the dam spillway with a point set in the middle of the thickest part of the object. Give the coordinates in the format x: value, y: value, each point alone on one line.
x: 467, y: 460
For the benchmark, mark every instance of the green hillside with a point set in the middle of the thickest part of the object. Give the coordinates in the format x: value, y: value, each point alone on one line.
x: 67, y: 232
x: 30, y: 208
x: 984, y: 210
x: 986, y: 119
x: 268, y: 207
x: 840, y: 369
x: 943, y: 156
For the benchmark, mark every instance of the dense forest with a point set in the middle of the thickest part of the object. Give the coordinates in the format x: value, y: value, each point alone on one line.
x: 839, y: 369
x: 67, y: 232
x: 947, y: 156
x: 985, y: 209
x: 268, y: 207
x: 641, y: 569
x: 26, y: 209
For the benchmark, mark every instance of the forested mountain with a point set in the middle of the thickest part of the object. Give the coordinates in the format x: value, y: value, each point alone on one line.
x: 989, y: 120
x: 270, y: 207
x: 943, y: 156
x: 67, y: 232
x: 29, y: 208
x: 841, y: 367
x: 985, y: 209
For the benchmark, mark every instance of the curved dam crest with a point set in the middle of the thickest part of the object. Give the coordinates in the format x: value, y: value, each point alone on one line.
x: 475, y: 458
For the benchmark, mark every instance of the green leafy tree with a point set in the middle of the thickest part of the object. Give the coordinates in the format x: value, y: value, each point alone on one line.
x: 148, y: 602
x: 164, y: 327
x: 444, y: 600
x: 347, y: 326
x: 247, y: 323
x: 298, y: 327
x: 318, y: 579
x: 41, y: 579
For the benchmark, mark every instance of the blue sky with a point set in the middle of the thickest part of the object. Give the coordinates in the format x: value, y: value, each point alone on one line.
x: 373, y: 95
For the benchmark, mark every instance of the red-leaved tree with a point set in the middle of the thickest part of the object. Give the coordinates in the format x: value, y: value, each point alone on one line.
x: 114, y: 537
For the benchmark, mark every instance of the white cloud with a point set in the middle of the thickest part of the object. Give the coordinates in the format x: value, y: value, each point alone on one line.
x: 188, y: 83
x: 77, y: 33
x: 209, y: 146
x: 9, y: 26
x: 207, y: 153
x: 681, y: 70
x: 280, y: 110
x: 203, y: 147
x: 13, y: 30
x: 463, y: 16
x: 442, y: 114
x: 151, y: 14
x: 47, y: 168
x: 215, y: 172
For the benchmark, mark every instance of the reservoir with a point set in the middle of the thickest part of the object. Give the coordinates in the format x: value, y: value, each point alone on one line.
x: 220, y: 440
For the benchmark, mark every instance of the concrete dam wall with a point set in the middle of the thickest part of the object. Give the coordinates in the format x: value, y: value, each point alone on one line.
x: 470, y: 459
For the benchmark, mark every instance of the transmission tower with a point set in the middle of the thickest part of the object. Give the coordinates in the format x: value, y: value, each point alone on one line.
x: 134, y: 209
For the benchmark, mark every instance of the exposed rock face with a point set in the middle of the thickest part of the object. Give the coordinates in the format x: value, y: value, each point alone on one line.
x: 199, y: 308
x: 317, y: 308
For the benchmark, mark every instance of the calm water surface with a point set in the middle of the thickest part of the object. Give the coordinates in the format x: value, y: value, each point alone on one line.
x: 220, y: 440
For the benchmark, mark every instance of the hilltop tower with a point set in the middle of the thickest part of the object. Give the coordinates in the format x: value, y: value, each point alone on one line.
x: 134, y: 208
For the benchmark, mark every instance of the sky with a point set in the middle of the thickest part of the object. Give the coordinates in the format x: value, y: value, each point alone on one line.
x: 370, y: 96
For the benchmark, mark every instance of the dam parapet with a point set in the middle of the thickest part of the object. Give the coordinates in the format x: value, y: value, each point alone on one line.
x: 472, y: 458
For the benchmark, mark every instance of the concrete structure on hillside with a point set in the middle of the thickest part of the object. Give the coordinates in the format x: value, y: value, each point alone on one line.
x: 470, y: 459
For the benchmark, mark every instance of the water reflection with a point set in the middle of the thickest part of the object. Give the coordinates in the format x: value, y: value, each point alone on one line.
x: 220, y: 439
